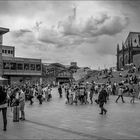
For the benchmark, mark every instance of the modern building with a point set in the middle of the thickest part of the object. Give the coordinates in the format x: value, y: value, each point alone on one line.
x: 65, y: 76
x: 129, y: 51
x: 17, y: 69
x: 58, y: 73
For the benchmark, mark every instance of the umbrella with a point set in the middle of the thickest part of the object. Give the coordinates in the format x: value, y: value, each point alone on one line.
x: 2, y: 79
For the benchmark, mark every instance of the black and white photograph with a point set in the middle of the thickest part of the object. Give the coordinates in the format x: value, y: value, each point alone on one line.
x: 70, y: 69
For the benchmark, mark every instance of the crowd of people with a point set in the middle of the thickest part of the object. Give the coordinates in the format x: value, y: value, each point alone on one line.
x: 83, y: 93
x: 16, y: 96
x: 75, y: 93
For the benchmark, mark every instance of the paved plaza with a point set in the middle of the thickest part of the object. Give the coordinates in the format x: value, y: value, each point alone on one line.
x: 57, y: 120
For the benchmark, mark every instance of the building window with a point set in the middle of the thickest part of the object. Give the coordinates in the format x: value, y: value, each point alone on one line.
x: 20, y: 66
x: 126, y: 59
x: 6, y: 65
x: 11, y: 52
x: 2, y: 51
x: 26, y: 66
x: 38, y: 67
x: 13, y: 66
x: 32, y: 66
x: 5, y: 51
x: 8, y: 51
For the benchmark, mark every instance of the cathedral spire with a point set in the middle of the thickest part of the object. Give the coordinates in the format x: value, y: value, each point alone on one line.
x: 74, y: 12
x: 123, y: 63
x: 118, y: 64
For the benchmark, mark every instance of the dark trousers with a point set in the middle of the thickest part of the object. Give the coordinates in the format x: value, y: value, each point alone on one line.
x: 60, y: 94
x: 31, y: 101
x: 4, y: 114
x: 68, y: 98
x: 40, y: 100
x: 119, y: 97
x: 91, y: 99
x: 103, y: 110
x: 39, y: 97
x: 113, y: 92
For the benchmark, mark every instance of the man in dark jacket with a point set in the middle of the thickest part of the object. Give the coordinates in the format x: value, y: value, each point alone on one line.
x: 102, y: 100
x: 60, y: 91
x: 3, y: 107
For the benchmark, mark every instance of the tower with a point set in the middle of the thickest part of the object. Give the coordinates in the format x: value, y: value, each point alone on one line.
x: 118, y: 67
x: 74, y: 12
x: 129, y: 50
x: 123, y: 54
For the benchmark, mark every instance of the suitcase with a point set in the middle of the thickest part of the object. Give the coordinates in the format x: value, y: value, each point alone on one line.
x: 16, y: 114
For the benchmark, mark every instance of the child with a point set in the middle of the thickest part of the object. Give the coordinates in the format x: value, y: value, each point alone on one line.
x: 132, y: 93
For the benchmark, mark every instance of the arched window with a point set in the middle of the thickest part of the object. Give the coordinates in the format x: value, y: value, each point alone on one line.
x: 126, y: 59
x: 121, y: 62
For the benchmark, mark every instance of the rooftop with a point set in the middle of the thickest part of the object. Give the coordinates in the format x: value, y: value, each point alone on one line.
x: 3, y: 30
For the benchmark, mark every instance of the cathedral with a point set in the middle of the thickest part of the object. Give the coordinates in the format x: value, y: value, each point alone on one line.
x: 129, y: 53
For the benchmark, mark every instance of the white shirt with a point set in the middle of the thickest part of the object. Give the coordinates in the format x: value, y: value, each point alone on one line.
x: 22, y: 96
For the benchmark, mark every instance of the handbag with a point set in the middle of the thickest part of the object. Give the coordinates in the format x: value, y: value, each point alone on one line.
x: 15, y: 103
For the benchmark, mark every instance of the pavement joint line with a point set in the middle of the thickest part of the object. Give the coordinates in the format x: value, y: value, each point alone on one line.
x: 66, y: 130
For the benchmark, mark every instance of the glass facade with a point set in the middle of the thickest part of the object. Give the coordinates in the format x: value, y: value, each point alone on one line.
x: 7, y: 51
x: 32, y: 67
x: 38, y: 67
x: 26, y: 66
x: 6, y: 65
x: 13, y: 66
x: 21, y: 66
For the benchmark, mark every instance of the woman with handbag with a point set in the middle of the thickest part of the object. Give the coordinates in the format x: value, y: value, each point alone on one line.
x: 3, y: 107
x: 15, y: 105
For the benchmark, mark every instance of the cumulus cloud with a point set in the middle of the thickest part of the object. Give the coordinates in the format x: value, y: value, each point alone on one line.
x: 72, y: 32
x: 105, y: 25
x: 58, y: 28
x: 26, y: 8
x: 20, y: 33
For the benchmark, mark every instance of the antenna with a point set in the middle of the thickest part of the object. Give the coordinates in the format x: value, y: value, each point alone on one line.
x: 74, y: 11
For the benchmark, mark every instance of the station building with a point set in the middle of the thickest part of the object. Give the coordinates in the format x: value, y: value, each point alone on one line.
x: 129, y: 53
x: 17, y: 69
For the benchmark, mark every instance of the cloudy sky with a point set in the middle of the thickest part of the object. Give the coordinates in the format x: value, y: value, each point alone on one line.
x: 64, y: 31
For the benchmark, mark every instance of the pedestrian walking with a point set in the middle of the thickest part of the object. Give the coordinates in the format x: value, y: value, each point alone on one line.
x: 8, y: 95
x: 132, y: 94
x: 102, y: 100
x: 31, y: 92
x: 3, y: 107
x: 67, y: 95
x: 49, y: 93
x: 138, y: 90
x: 22, y: 103
x: 39, y: 97
x: 114, y: 89
x: 120, y: 93
x: 60, y: 91
x: 15, y: 105
x: 92, y: 90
